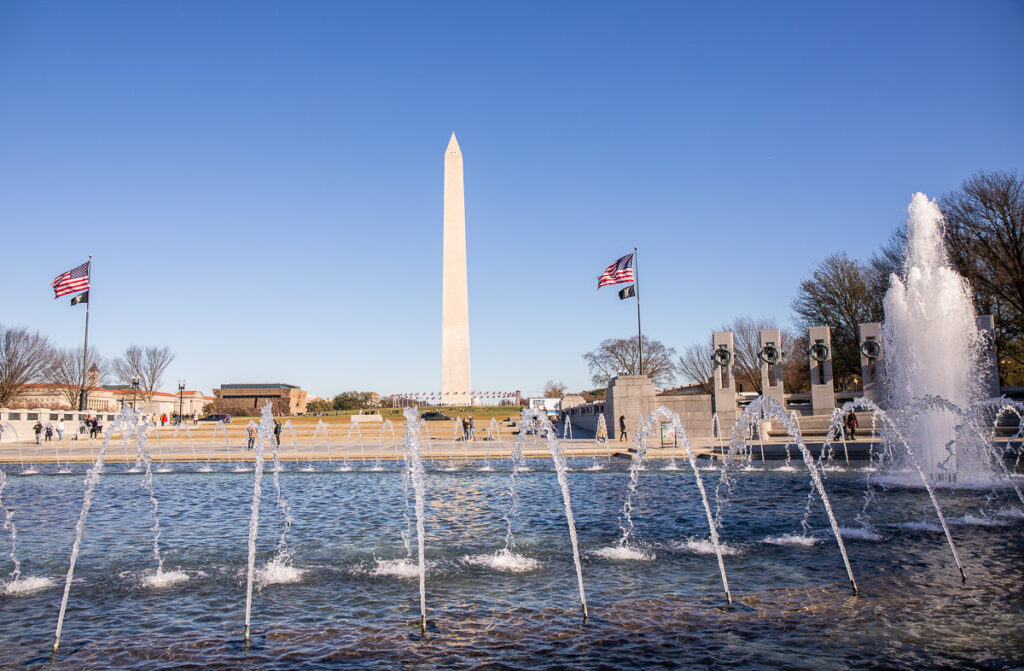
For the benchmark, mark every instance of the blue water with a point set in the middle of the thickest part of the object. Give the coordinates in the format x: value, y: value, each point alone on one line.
x: 793, y: 606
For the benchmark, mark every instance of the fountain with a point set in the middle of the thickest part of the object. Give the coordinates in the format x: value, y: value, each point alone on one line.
x: 785, y: 577
x: 414, y: 473
x: 17, y: 584
x: 932, y: 348
x: 221, y: 427
x: 354, y: 426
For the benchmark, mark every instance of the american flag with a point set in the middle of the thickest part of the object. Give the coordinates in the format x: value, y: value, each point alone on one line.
x: 71, y: 281
x: 617, y: 273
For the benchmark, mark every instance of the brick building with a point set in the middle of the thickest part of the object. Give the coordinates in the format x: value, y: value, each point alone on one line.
x: 249, y: 399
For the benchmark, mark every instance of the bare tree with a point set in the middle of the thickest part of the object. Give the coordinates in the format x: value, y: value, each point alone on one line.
x: 128, y: 365
x: 883, y: 264
x: 796, y: 371
x: 695, y: 365
x: 622, y: 357
x: 156, y: 363
x: 553, y: 389
x: 984, y: 235
x: 25, y: 358
x: 838, y: 295
x: 147, y: 364
x: 66, y: 373
x: 746, y: 333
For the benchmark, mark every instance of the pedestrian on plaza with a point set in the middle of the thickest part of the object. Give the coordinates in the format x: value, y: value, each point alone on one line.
x: 472, y: 428
x: 851, y: 426
x: 49, y: 432
x: 277, y: 432
x: 251, y: 434
x: 97, y: 426
x: 602, y: 433
x: 60, y: 429
x: 163, y: 419
x: 195, y: 417
x: 38, y: 428
x: 622, y: 428
x: 465, y: 429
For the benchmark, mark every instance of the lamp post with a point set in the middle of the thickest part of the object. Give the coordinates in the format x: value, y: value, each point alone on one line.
x: 135, y: 389
x: 181, y: 393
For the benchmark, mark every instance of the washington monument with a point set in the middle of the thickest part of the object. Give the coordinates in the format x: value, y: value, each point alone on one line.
x: 455, y: 386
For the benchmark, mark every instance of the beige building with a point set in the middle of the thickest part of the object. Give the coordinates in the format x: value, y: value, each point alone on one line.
x: 249, y: 399
x: 111, y: 398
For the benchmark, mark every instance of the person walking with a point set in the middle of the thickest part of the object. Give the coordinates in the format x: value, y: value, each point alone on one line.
x: 38, y: 428
x: 622, y: 428
x: 277, y: 432
x: 163, y: 419
x: 465, y: 429
x: 251, y: 434
x: 602, y: 433
x: 851, y: 426
x: 49, y: 432
x: 97, y: 426
x: 472, y: 429
x: 60, y: 429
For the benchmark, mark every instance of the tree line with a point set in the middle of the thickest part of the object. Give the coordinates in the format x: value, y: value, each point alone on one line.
x: 346, y: 400
x: 983, y: 229
x: 29, y: 357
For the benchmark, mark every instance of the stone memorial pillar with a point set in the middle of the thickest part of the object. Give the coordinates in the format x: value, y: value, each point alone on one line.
x: 819, y: 358
x: 872, y: 361
x: 990, y: 358
x: 770, y: 359
x: 629, y: 395
x: 724, y: 393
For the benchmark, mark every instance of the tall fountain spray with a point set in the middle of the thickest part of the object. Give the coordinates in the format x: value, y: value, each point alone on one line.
x: 932, y: 348
x: 414, y: 473
x: 264, y: 437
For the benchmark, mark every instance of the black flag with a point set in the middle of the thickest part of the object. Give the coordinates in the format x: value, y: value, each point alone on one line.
x: 80, y: 298
x: 623, y: 294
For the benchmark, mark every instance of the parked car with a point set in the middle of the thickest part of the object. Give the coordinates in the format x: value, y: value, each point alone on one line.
x: 216, y: 418
x: 434, y: 416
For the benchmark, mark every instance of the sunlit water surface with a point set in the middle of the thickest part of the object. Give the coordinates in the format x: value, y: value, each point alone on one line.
x: 354, y: 599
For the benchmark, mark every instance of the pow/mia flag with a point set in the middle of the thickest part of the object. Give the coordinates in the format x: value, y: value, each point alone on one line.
x: 80, y: 298
x: 627, y: 292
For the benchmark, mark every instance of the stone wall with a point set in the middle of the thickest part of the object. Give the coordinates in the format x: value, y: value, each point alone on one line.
x: 17, y: 423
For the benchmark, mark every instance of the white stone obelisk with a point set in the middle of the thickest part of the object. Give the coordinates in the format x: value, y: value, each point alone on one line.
x: 455, y: 387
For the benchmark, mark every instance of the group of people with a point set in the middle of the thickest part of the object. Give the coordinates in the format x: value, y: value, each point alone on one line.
x: 250, y: 433
x: 163, y: 419
x: 92, y: 425
x: 468, y: 428
x: 48, y: 431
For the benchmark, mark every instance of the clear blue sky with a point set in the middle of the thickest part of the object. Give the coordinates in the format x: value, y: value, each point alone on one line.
x: 261, y: 183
